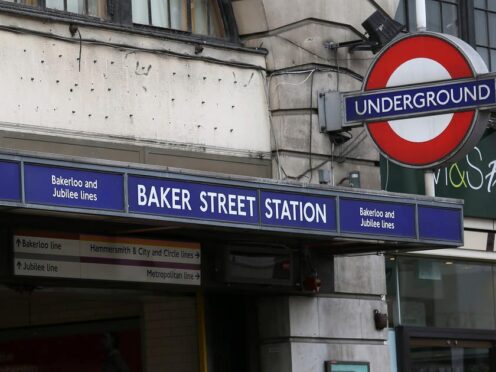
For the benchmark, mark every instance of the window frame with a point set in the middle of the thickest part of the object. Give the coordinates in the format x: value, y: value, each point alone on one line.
x: 119, y: 14
x: 43, y: 8
x: 225, y: 7
x: 466, y: 23
x: 227, y: 19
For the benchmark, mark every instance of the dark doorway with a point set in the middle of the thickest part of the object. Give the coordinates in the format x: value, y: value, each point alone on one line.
x: 232, y: 333
x: 78, y: 347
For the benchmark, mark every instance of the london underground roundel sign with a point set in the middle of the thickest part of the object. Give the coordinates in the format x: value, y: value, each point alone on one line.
x: 424, y: 101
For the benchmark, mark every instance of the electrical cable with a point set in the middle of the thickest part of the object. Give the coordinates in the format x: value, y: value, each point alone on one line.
x: 340, y: 138
x: 80, y: 49
x: 304, y: 173
x: 296, y: 84
x: 353, y: 145
x: 318, y: 67
x: 123, y: 47
x: 302, y: 48
x: 52, y: 15
x: 320, y: 57
x: 337, y: 75
x: 310, y: 75
x: 342, y: 180
x: 267, y: 94
x: 387, y: 175
x: 332, y: 164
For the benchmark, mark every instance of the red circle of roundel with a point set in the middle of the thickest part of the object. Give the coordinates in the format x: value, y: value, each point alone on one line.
x: 436, y: 149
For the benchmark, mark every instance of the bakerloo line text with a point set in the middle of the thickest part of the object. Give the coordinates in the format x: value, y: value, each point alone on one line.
x: 220, y: 203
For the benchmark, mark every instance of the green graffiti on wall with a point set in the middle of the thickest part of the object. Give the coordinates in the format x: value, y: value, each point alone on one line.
x: 472, y: 179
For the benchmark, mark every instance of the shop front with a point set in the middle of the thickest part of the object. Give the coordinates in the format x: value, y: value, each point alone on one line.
x: 444, y: 313
x: 442, y: 303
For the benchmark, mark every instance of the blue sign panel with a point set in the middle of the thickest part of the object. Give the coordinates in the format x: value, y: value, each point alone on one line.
x: 69, y: 187
x: 10, y: 183
x: 193, y: 200
x: 416, y: 101
x: 205, y: 200
x: 440, y: 224
x: 359, y: 216
x: 298, y: 211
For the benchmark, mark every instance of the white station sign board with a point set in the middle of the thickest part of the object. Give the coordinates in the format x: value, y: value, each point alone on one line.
x: 107, y: 258
x: 425, y: 100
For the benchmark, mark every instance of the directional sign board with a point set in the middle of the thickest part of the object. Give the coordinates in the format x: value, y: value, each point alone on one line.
x: 107, y: 258
x: 425, y: 100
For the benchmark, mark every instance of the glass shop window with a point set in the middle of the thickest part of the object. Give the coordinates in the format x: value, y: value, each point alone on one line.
x: 446, y: 293
x: 196, y: 16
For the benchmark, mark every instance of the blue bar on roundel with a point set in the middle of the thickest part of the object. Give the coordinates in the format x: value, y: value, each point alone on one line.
x: 408, y: 102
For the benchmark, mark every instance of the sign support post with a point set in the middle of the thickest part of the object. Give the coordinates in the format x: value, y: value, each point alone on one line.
x: 421, y: 15
x: 429, y: 183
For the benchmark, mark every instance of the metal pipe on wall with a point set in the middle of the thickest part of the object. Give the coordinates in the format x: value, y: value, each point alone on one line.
x: 421, y: 15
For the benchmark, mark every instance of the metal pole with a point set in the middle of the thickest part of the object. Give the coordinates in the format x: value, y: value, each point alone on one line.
x: 429, y: 183
x: 421, y: 15
x: 202, y: 338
